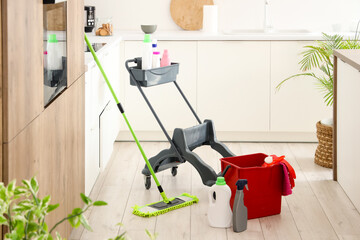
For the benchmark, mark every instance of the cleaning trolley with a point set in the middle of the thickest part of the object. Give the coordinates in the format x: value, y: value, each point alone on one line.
x: 183, y: 141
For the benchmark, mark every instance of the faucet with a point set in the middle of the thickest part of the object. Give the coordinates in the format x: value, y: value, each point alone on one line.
x: 267, y: 20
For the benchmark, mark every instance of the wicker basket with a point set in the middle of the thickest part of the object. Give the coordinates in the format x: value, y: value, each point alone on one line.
x: 324, y: 151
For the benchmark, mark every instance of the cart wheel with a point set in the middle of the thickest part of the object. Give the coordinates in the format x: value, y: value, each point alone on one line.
x: 147, y: 181
x: 174, y: 171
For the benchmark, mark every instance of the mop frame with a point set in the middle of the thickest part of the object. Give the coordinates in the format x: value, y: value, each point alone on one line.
x: 183, y: 141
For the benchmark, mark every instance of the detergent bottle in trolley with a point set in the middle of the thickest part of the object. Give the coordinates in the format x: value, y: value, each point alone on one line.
x: 219, y: 213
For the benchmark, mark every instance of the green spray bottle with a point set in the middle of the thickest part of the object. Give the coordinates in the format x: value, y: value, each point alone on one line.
x: 240, y: 215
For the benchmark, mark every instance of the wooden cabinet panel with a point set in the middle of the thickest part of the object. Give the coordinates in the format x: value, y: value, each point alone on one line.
x: 233, y: 84
x: 23, y: 64
x: 53, y: 170
x: 75, y: 40
x: 75, y: 146
x: 22, y: 155
x: 299, y: 104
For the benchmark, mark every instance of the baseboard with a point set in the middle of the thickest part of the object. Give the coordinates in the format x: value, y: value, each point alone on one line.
x: 229, y: 136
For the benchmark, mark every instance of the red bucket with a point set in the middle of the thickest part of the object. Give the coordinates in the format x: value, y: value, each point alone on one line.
x: 265, y: 183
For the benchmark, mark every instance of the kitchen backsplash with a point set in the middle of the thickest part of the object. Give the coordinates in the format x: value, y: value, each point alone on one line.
x: 318, y: 15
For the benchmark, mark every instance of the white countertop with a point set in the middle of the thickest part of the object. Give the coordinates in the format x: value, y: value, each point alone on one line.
x: 109, y: 40
x: 282, y: 35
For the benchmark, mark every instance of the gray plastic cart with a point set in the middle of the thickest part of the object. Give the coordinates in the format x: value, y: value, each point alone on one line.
x: 184, y: 141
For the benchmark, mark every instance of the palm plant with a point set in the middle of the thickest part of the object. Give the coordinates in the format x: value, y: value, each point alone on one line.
x: 320, y: 56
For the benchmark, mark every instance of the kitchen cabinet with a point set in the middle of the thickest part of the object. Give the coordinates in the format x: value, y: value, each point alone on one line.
x: 44, y: 142
x: 166, y: 99
x: 23, y: 82
x: 346, y: 120
x: 233, y: 84
x: 298, y: 105
x: 75, y: 40
x: 102, y: 121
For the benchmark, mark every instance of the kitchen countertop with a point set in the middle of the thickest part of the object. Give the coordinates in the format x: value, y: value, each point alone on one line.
x: 287, y: 35
x: 350, y: 56
x: 109, y: 40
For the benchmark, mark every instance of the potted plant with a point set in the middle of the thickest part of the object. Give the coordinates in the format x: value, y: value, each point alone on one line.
x: 320, y: 56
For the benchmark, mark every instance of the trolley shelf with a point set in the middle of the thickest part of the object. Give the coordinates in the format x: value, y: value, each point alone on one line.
x: 154, y: 76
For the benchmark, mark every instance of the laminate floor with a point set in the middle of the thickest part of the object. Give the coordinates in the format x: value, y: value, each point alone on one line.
x: 317, y: 209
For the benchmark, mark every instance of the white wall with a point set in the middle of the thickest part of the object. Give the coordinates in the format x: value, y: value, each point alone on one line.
x: 317, y: 15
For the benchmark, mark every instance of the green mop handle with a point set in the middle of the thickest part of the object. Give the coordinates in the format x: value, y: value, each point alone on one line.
x: 162, y: 193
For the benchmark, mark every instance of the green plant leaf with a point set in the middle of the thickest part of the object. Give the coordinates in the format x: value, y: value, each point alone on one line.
x: 100, y: 203
x: 58, y: 236
x: 34, y: 185
x: 52, y: 207
x: 73, y: 220
x: 3, y: 220
x: 85, y: 199
x: 85, y: 223
x: 11, y: 186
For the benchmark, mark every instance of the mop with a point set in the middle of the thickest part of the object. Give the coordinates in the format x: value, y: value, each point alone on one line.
x: 167, y: 204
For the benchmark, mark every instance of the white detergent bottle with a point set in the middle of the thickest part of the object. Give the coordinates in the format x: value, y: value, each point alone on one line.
x: 219, y: 213
x: 147, y: 53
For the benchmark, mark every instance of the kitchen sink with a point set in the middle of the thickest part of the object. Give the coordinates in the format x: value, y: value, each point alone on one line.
x: 266, y: 31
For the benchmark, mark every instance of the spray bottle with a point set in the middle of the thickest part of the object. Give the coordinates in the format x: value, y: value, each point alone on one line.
x: 240, y: 215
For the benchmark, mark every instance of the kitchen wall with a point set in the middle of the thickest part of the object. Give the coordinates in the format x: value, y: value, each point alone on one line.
x: 317, y: 15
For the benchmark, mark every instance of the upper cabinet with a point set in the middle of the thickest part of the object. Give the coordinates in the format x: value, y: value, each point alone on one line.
x: 23, y: 64
x: 75, y: 39
x: 27, y: 28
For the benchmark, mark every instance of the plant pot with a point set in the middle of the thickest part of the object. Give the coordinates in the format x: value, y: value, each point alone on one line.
x: 324, y: 151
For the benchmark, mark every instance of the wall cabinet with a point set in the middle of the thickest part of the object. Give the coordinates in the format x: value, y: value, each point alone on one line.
x: 233, y: 83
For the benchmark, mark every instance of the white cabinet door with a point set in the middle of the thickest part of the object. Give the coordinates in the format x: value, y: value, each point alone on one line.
x: 92, y: 163
x: 165, y: 98
x: 298, y: 105
x: 348, y: 131
x: 233, y: 84
x: 106, y: 135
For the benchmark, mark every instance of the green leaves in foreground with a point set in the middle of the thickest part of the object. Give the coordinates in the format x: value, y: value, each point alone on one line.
x: 24, y: 212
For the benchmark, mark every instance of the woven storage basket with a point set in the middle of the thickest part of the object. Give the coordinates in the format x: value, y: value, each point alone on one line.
x: 324, y: 151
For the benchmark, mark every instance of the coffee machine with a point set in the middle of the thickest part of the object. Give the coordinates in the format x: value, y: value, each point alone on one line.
x: 89, y: 18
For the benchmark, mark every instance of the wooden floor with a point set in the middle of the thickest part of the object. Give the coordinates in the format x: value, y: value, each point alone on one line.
x: 317, y: 209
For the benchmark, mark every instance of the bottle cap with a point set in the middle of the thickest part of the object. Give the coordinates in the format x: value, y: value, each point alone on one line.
x: 220, y: 181
x: 147, y: 38
x: 52, y: 38
x: 268, y: 159
x: 241, y: 183
x: 154, y: 43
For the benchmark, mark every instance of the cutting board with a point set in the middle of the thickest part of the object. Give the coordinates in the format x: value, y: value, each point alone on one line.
x: 188, y: 14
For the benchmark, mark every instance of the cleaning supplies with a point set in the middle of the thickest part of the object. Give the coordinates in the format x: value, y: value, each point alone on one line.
x: 165, y: 60
x: 240, y: 215
x: 147, y: 53
x: 167, y: 204
x: 219, y: 213
x: 54, y: 54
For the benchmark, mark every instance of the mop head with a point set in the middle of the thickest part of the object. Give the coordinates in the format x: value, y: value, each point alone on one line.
x: 155, y: 209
